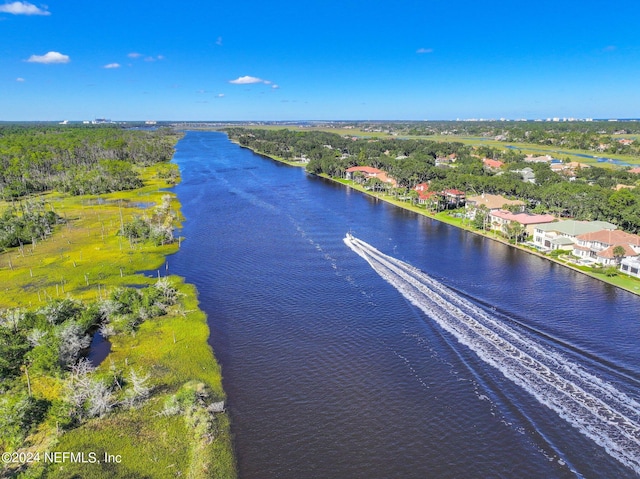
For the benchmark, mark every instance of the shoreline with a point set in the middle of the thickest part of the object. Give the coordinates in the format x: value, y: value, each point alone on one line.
x: 85, y: 259
x: 433, y: 216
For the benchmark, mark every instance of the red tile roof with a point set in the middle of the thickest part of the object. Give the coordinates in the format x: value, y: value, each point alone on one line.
x: 371, y: 171
x: 489, y: 163
x: 425, y: 195
x: 608, y: 252
x: 365, y: 169
x: 523, y: 218
x: 611, y: 237
x: 383, y: 176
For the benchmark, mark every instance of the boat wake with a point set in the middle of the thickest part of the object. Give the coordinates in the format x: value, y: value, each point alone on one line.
x: 595, y: 407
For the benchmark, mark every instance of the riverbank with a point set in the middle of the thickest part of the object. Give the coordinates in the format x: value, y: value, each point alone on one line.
x: 621, y: 280
x: 86, y: 259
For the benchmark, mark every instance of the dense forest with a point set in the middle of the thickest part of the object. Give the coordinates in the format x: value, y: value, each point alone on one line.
x: 77, y: 159
x: 589, y: 195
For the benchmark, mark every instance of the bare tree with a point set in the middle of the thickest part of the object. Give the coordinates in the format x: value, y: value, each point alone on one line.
x: 107, y: 330
x: 35, y: 336
x: 139, y: 391
x: 89, y: 397
x: 169, y: 292
x: 99, y: 399
x: 108, y: 308
x: 72, y: 340
x: 11, y: 318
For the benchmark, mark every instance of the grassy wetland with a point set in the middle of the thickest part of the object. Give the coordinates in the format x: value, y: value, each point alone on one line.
x: 154, y: 407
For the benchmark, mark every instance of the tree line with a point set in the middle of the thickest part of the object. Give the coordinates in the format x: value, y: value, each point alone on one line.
x: 601, y: 137
x: 77, y: 159
x: 590, y: 195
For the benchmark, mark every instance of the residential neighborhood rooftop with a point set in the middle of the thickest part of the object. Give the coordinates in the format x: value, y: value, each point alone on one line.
x: 608, y: 252
x: 575, y: 228
x: 489, y: 163
x: 611, y: 237
x: 523, y: 218
x: 364, y: 169
x: 492, y: 202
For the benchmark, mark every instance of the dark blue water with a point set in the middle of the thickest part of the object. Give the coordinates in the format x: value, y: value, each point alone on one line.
x: 332, y: 372
x: 99, y: 349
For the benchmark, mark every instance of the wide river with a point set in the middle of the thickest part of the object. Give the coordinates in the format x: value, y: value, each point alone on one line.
x: 413, y: 350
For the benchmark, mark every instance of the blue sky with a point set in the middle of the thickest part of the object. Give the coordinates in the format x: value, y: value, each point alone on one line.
x: 318, y: 60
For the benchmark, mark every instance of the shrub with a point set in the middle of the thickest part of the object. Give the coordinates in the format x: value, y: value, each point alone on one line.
x: 18, y: 414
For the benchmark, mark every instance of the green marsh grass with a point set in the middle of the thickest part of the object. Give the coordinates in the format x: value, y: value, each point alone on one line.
x: 175, y: 350
x: 87, y: 259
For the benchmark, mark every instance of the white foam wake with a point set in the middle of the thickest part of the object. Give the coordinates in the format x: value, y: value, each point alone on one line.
x: 596, y: 408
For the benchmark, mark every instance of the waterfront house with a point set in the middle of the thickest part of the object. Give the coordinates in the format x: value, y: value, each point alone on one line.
x: 563, y: 234
x: 424, y: 195
x: 598, y: 247
x: 363, y: 173
x: 631, y: 266
x: 452, y: 198
x: 491, y: 202
x: 501, y: 220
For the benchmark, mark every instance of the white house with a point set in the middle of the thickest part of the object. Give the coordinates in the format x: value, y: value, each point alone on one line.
x: 500, y: 219
x: 562, y: 234
x: 631, y: 266
x: 598, y: 246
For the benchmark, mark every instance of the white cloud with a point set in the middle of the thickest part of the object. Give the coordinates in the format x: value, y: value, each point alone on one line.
x: 219, y: 41
x: 50, y: 57
x: 112, y: 65
x: 20, y: 80
x: 134, y: 55
x: 248, y: 80
x: 424, y: 50
x: 220, y: 95
x: 22, y: 8
x: 274, y: 86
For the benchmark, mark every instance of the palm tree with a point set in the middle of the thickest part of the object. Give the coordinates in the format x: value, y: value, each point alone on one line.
x: 618, y: 253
